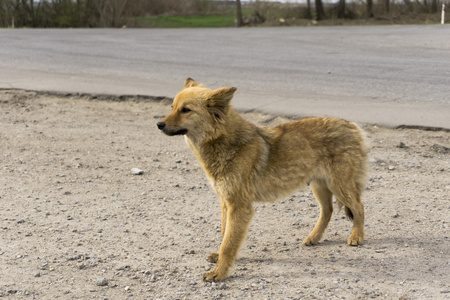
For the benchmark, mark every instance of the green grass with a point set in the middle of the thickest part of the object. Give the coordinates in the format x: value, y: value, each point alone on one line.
x: 227, y: 20
x: 186, y: 21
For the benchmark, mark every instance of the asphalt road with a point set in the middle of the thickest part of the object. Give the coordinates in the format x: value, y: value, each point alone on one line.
x: 387, y: 75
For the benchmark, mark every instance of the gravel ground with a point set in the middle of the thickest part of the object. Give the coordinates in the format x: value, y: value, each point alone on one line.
x: 77, y: 223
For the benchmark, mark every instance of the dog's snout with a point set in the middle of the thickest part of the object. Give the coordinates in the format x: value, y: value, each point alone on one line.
x: 161, y: 125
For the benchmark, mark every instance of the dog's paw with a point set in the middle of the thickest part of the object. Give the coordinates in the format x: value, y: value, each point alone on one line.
x: 213, y: 257
x: 355, y: 240
x: 310, y: 241
x: 215, y: 275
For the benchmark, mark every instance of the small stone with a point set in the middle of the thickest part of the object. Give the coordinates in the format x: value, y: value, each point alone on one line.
x: 402, y: 145
x: 102, y: 281
x: 440, y: 148
x: 74, y: 257
x: 222, y: 286
x: 391, y: 168
x: 67, y: 193
x: 137, y: 171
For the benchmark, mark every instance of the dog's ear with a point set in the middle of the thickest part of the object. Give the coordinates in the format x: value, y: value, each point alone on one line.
x: 222, y: 96
x: 189, y: 82
x: 219, y: 100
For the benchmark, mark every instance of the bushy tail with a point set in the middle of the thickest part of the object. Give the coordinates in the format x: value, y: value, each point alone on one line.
x: 348, y: 212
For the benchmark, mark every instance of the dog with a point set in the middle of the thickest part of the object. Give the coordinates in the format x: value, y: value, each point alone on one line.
x: 247, y: 164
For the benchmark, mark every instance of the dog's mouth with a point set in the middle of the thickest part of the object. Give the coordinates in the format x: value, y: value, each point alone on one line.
x: 171, y: 130
x: 181, y: 131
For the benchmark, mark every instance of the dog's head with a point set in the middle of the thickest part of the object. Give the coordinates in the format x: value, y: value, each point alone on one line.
x: 197, y: 111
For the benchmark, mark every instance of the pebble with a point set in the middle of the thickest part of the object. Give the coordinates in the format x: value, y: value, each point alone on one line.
x: 102, y: 281
x: 440, y: 148
x: 137, y: 171
x: 74, y: 257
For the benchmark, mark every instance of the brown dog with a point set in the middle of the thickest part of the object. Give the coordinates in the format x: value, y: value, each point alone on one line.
x: 247, y: 164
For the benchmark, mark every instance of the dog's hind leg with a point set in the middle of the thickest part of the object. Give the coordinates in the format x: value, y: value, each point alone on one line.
x: 238, y: 220
x: 324, y: 196
x: 357, y: 236
x: 347, y: 193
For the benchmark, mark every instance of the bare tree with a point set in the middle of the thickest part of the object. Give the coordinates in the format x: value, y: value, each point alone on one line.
x: 110, y: 12
x: 434, y: 6
x: 239, y: 20
x: 319, y: 10
x: 369, y: 9
x: 341, y: 9
x: 387, y: 6
x: 308, y: 9
x: 409, y: 5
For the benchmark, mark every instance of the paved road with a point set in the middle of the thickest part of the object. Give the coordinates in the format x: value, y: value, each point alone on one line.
x: 388, y: 75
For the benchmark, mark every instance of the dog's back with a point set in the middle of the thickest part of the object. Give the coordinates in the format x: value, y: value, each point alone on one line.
x: 320, y: 149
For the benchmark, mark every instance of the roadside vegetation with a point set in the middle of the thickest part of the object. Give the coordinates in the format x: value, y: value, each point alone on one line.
x: 184, y: 21
x: 214, y: 13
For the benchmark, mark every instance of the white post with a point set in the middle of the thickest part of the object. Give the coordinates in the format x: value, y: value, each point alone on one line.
x: 443, y: 15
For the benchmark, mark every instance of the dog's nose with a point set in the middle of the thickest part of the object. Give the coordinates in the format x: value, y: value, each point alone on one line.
x: 161, y: 125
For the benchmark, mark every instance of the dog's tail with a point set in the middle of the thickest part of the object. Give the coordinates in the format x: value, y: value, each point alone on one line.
x: 348, y: 211
x: 360, y: 176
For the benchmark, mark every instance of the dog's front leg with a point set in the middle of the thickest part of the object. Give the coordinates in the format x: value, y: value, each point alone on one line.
x: 213, y: 257
x: 237, y: 222
x: 223, y: 209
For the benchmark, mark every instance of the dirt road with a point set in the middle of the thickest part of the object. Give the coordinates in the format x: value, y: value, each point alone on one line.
x: 75, y: 223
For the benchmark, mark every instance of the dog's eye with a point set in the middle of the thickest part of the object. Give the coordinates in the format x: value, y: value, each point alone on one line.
x: 185, y: 110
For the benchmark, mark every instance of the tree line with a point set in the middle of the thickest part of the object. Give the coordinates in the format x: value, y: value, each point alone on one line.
x: 89, y: 13
x: 62, y: 13
x: 117, y: 13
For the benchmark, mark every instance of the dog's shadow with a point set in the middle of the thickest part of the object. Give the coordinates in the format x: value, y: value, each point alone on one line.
x: 327, y: 254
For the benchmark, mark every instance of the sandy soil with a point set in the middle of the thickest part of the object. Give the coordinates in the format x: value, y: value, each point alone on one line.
x: 75, y: 223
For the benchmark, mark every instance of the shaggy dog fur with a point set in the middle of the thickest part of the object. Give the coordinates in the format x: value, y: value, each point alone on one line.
x: 247, y: 164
